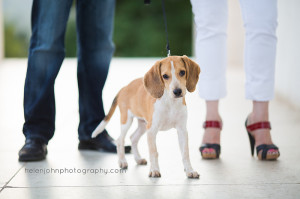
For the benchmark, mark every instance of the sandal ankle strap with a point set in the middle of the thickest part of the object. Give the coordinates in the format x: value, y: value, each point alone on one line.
x: 258, y: 125
x: 212, y: 124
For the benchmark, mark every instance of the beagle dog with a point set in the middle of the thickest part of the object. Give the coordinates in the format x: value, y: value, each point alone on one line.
x: 158, y: 103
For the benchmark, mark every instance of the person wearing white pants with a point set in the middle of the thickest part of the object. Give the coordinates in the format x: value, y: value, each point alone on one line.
x: 260, y: 22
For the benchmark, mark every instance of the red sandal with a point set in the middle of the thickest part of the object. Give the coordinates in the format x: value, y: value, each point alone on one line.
x: 215, y: 147
x: 264, y: 147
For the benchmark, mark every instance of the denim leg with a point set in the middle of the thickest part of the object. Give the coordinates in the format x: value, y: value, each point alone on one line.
x: 95, y: 50
x: 46, y: 54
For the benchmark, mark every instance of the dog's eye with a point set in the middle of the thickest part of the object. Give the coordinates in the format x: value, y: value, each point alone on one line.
x: 165, y: 76
x: 182, y: 73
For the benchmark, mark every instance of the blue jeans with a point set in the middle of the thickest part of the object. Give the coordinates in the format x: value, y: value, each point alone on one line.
x: 95, y: 49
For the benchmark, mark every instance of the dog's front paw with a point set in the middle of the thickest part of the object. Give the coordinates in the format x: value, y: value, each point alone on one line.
x: 141, y: 162
x: 123, y: 164
x: 192, y: 174
x: 154, y: 174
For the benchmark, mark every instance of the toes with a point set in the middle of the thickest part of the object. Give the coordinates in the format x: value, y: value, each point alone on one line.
x: 193, y: 174
x: 142, y: 162
x: 272, y: 154
x: 208, y: 150
x: 123, y: 165
x: 273, y: 151
x: 154, y: 174
x: 209, y: 153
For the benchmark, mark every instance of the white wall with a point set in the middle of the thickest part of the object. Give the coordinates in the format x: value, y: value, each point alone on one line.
x: 288, y: 52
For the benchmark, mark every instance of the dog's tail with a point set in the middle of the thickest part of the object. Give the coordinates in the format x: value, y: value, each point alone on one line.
x: 100, y: 128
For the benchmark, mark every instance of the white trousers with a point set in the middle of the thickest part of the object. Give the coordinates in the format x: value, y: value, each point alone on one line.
x: 260, y: 22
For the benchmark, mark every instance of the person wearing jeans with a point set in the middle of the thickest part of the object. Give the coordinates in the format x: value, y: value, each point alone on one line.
x: 260, y: 22
x: 49, y: 18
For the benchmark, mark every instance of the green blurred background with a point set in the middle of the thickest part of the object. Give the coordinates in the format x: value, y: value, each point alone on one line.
x: 139, y: 29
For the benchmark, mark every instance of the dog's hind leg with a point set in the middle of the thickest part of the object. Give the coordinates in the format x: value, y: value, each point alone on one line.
x: 120, y: 141
x: 135, y: 137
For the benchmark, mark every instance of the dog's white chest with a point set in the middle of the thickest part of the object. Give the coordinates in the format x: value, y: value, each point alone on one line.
x: 169, y: 113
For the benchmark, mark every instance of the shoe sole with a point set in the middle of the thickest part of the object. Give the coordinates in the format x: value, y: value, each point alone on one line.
x: 269, y: 157
x: 32, y: 158
x: 209, y: 156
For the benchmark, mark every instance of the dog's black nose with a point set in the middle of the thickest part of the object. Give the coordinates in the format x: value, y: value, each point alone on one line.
x: 177, y: 92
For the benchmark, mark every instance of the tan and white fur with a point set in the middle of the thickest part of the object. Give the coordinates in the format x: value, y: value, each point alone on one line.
x: 158, y: 103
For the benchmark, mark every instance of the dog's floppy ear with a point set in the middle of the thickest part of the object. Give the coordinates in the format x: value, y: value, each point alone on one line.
x: 153, y: 82
x: 192, y: 72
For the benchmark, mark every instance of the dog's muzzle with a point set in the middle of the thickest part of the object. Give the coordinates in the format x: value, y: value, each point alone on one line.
x: 177, y: 92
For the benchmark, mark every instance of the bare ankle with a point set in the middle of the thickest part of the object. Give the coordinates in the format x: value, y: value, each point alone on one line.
x: 260, y: 112
x: 253, y: 118
x: 213, y: 117
x: 212, y: 110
